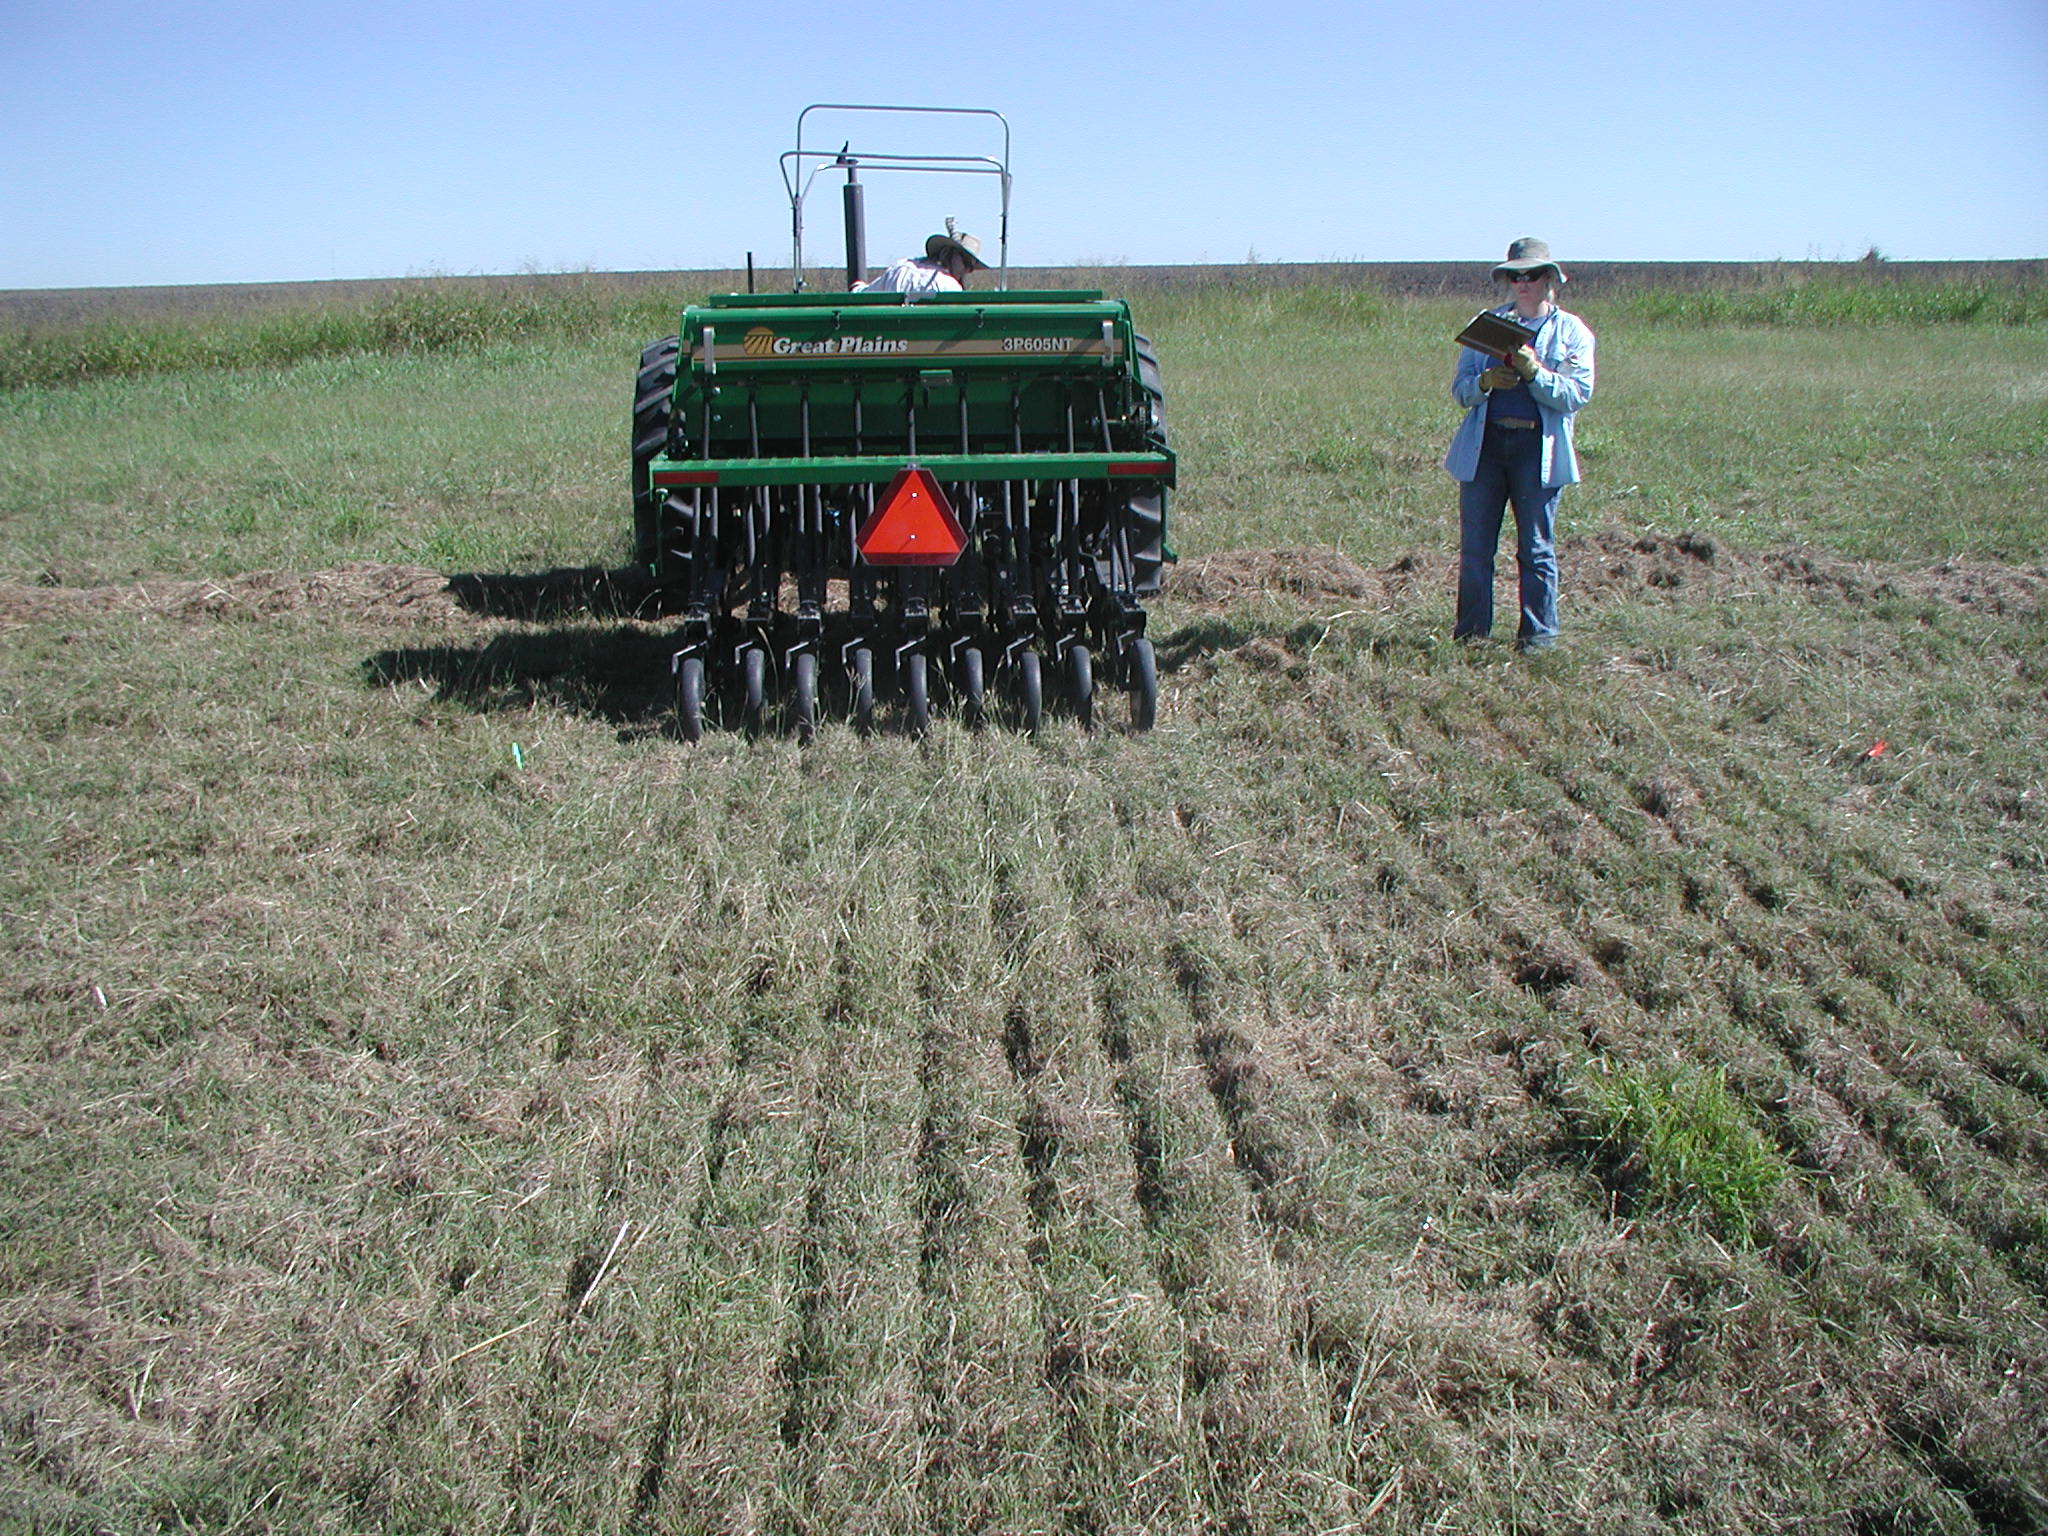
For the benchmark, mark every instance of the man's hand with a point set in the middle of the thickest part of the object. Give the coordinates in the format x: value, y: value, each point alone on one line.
x: 1499, y: 376
x: 1523, y: 361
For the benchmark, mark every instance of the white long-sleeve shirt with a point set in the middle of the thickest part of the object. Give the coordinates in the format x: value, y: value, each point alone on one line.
x: 913, y: 274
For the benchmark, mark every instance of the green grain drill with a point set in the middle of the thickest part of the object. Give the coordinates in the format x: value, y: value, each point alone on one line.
x: 957, y: 495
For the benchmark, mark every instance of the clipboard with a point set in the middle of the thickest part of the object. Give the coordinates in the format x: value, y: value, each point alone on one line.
x: 1495, y: 335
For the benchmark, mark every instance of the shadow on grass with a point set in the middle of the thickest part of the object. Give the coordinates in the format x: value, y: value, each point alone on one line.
x: 620, y: 674
x: 584, y: 590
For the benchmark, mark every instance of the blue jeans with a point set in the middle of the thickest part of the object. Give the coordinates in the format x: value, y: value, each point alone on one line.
x: 1510, y: 472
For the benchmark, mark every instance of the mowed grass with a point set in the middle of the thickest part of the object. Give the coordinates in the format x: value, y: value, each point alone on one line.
x: 1415, y: 1089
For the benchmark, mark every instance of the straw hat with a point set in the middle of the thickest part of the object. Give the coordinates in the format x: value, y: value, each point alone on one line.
x: 941, y: 246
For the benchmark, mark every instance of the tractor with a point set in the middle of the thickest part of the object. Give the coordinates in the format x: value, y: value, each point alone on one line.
x: 956, y: 497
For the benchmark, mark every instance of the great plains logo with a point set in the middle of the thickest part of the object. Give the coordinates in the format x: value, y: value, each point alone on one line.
x: 763, y: 342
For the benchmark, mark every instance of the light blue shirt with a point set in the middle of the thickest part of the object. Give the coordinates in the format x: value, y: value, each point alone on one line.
x: 1563, y: 382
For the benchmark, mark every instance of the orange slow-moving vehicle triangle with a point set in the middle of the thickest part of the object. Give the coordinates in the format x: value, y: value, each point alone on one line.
x: 912, y: 524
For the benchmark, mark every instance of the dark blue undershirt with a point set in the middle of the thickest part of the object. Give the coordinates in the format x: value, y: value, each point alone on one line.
x: 1517, y: 403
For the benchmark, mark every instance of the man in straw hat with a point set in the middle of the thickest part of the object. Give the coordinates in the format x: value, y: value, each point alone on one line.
x: 948, y: 261
x: 1514, y: 446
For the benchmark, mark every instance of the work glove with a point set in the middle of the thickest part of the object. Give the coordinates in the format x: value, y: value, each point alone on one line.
x: 1499, y: 377
x: 1523, y: 361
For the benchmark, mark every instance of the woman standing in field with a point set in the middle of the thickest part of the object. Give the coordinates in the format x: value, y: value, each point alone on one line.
x: 1515, y: 446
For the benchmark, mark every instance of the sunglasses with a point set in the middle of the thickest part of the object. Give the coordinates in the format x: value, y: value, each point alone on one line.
x: 1530, y: 277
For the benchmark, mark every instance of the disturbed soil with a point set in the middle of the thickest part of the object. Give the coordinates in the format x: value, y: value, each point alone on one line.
x: 1605, y: 566
x: 367, y: 590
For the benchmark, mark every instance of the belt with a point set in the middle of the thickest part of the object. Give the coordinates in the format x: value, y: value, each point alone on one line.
x: 1513, y: 423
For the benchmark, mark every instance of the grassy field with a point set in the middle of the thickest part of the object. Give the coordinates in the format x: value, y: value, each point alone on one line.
x: 1418, y: 1088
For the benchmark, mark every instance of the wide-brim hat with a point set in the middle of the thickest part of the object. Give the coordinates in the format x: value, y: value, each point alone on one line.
x: 939, y: 246
x: 1528, y: 255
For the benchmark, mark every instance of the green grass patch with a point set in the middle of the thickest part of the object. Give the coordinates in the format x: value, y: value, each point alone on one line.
x: 1682, y: 1138
x: 409, y: 322
x: 1837, y: 302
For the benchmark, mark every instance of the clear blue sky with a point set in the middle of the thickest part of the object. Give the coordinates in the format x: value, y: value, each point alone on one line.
x: 232, y: 141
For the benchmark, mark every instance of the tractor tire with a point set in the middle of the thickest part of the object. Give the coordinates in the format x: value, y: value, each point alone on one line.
x: 1144, y: 514
x: 651, y: 408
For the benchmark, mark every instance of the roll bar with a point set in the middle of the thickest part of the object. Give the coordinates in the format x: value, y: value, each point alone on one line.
x: 800, y: 167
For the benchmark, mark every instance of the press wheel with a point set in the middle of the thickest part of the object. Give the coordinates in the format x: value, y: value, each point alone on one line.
x: 917, y: 704
x: 972, y: 707
x: 863, y: 690
x: 1144, y: 665
x: 1081, y: 678
x: 754, y: 675
x: 690, y: 697
x: 1030, y: 690
x: 806, y: 698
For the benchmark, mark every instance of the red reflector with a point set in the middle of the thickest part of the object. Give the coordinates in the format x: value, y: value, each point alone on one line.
x: 1134, y: 469
x: 912, y: 524
x: 686, y: 477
